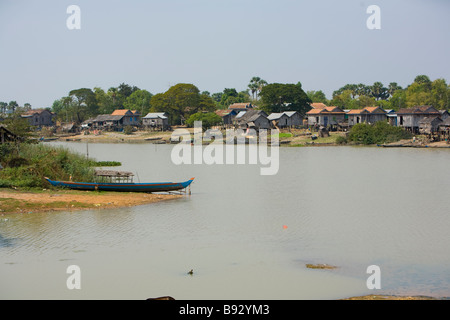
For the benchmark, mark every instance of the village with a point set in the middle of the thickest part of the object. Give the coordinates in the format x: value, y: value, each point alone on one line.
x: 312, y: 128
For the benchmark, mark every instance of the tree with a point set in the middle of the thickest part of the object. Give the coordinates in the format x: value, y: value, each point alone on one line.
x: 180, y: 101
x: 104, y: 101
x: 424, y: 81
x: 440, y: 94
x: 378, y: 91
x: 84, y: 104
x: 208, y: 119
x: 3, y: 107
x: 277, y: 97
x: 393, y: 86
x: 139, y: 100
x: 230, y: 96
x: 317, y: 96
x: 12, y: 105
x: 255, y: 86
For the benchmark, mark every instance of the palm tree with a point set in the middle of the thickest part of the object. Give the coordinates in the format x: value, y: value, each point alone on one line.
x: 261, y: 83
x: 12, y: 106
x: 256, y: 84
x: 253, y: 85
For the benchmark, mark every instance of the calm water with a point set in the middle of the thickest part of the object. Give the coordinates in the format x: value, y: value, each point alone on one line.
x: 349, y: 207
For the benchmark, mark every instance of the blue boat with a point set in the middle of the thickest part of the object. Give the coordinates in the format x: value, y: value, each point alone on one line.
x: 123, y: 187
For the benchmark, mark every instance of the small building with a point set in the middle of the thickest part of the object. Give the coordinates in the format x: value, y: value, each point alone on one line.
x: 327, y: 116
x: 255, y: 119
x: 39, y: 117
x: 368, y: 115
x: 409, y: 118
x: 130, y: 118
x: 391, y: 117
x: 156, y: 120
x: 107, y: 121
x: 294, y: 118
x: 444, y: 130
x: 429, y: 125
x: 241, y: 106
x: 279, y: 120
x: 226, y: 115
x: 444, y: 114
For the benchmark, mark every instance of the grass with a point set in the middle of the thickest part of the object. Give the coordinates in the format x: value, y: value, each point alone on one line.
x: 26, y: 165
x: 8, y: 205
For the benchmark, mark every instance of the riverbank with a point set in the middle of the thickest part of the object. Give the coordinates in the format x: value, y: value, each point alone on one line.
x: 287, y: 138
x: 15, y: 201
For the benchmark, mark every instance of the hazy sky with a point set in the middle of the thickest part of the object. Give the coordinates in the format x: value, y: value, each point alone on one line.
x: 216, y: 44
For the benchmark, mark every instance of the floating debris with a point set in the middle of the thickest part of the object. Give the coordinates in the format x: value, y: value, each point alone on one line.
x: 320, y: 266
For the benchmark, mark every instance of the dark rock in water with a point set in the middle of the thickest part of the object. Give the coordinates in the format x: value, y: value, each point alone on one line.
x: 162, y: 298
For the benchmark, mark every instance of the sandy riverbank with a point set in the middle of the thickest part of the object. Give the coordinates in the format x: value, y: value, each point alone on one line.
x: 13, y: 201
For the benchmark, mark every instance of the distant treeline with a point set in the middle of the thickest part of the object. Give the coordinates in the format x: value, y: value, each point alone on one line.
x: 183, y: 100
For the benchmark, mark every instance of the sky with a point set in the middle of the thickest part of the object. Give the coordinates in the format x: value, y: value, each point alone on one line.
x: 216, y: 44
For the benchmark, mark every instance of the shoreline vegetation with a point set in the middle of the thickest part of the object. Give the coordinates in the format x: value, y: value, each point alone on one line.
x: 23, y: 188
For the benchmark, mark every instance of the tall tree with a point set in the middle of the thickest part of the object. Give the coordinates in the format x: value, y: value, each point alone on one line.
x: 180, y: 101
x: 12, y: 106
x: 378, y: 91
x: 278, y: 97
x: 139, y: 100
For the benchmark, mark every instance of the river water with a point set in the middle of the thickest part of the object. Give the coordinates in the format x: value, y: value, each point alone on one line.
x: 245, y: 235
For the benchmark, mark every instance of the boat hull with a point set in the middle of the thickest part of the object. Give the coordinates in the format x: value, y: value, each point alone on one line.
x: 123, y: 187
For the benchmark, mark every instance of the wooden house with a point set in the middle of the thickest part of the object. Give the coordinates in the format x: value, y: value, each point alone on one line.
x: 129, y: 117
x: 108, y: 121
x: 368, y: 115
x: 294, y: 118
x: 391, y: 117
x: 429, y: 125
x: 255, y: 119
x: 444, y: 130
x: 39, y: 117
x: 279, y: 120
x: 409, y: 118
x: 226, y: 115
x: 156, y: 120
x: 444, y: 114
x: 241, y: 106
x: 326, y: 116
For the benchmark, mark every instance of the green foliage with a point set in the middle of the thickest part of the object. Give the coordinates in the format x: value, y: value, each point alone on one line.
x: 380, y: 132
x: 278, y: 97
x: 105, y: 163
x: 139, y: 100
x: 26, y: 165
x: 341, y: 140
x: 128, y: 130
x: 181, y: 101
x: 208, y: 119
x: 230, y: 96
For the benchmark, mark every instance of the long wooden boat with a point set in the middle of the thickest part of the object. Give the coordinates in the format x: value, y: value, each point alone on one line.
x: 125, y: 187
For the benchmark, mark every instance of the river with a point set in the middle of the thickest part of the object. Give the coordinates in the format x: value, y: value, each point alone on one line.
x: 246, y: 235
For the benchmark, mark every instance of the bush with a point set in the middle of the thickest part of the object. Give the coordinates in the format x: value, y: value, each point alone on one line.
x: 341, y: 140
x: 26, y: 165
x: 208, y: 119
x: 128, y: 130
x: 380, y: 132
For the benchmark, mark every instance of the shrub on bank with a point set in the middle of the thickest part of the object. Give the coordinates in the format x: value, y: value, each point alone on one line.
x: 26, y: 165
x: 379, y: 133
